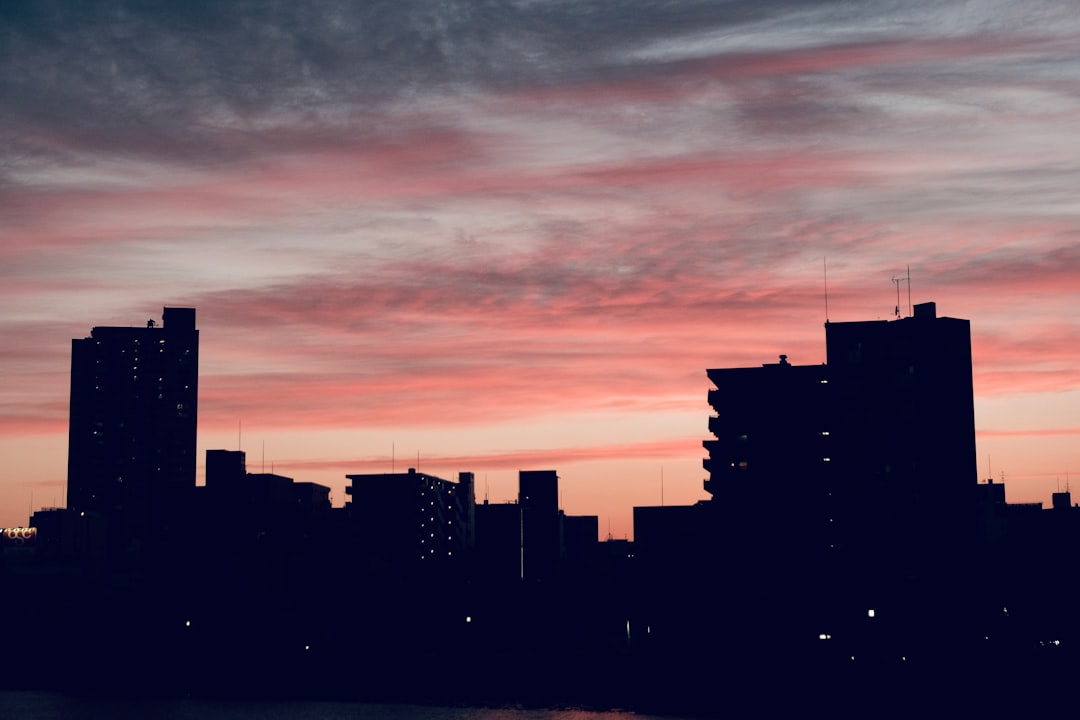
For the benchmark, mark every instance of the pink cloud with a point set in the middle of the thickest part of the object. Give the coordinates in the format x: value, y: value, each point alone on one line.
x: 510, y: 460
x: 1040, y: 432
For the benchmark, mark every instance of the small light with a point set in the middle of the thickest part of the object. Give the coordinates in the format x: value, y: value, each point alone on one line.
x: 870, y: 612
x: 468, y: 618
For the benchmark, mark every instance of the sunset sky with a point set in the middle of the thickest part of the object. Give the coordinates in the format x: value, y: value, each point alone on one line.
x: 492, y: 236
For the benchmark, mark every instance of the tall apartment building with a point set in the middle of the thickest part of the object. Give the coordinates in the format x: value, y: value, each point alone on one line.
x: 889, y: 419
x: 132, y: 428
x: 541, y: 524
x: 906, y: 419
x: 848, y: 484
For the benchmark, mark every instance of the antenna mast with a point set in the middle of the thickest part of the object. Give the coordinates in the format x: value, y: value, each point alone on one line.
x: 909, y: 291
x: 897, y: 281
x: 825, y: 271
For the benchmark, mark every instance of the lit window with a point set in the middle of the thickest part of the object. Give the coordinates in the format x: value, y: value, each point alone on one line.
x: 870, y: 612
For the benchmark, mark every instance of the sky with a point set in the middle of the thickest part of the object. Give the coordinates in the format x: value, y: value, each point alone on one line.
x: 487, y: 236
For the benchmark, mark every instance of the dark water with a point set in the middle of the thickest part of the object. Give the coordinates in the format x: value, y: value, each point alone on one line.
x: 58, y: 706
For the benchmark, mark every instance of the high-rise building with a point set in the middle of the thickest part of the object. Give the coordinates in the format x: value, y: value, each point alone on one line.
x: 887, y: 422
x: 541, y: 530
x: 906, y: 419
x: 849, y: 484
x: 131, y: 436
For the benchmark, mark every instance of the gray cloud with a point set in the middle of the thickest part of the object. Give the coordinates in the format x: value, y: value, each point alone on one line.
x: 197, y: 78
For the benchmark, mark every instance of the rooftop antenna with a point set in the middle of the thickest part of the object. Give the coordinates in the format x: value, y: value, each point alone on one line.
x: 393, y: 458
x: 825, y: 271
x: 897, y: 281
x: 909, y: 312
x: 661, y: 486
x: 239, y: 434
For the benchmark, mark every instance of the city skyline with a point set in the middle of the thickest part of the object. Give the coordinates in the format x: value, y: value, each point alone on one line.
x: 515, y: 237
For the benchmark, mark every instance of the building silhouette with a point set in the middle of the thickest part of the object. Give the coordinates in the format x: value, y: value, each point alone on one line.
x: 846, y: 552
x: 132, y: 428
x: 411, y: 522
x: 848, y: 484
x: 541, y: 525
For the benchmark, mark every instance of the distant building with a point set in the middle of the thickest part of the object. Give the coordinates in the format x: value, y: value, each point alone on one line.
x: 410, y: 522
x: 258, y: 504
x: 532, y: 540
x: 498, y: 541
x: 541, y: 526
x: 131, y: 438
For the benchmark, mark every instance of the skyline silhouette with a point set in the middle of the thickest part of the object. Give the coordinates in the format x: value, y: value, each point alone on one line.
x: 847, y: 545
